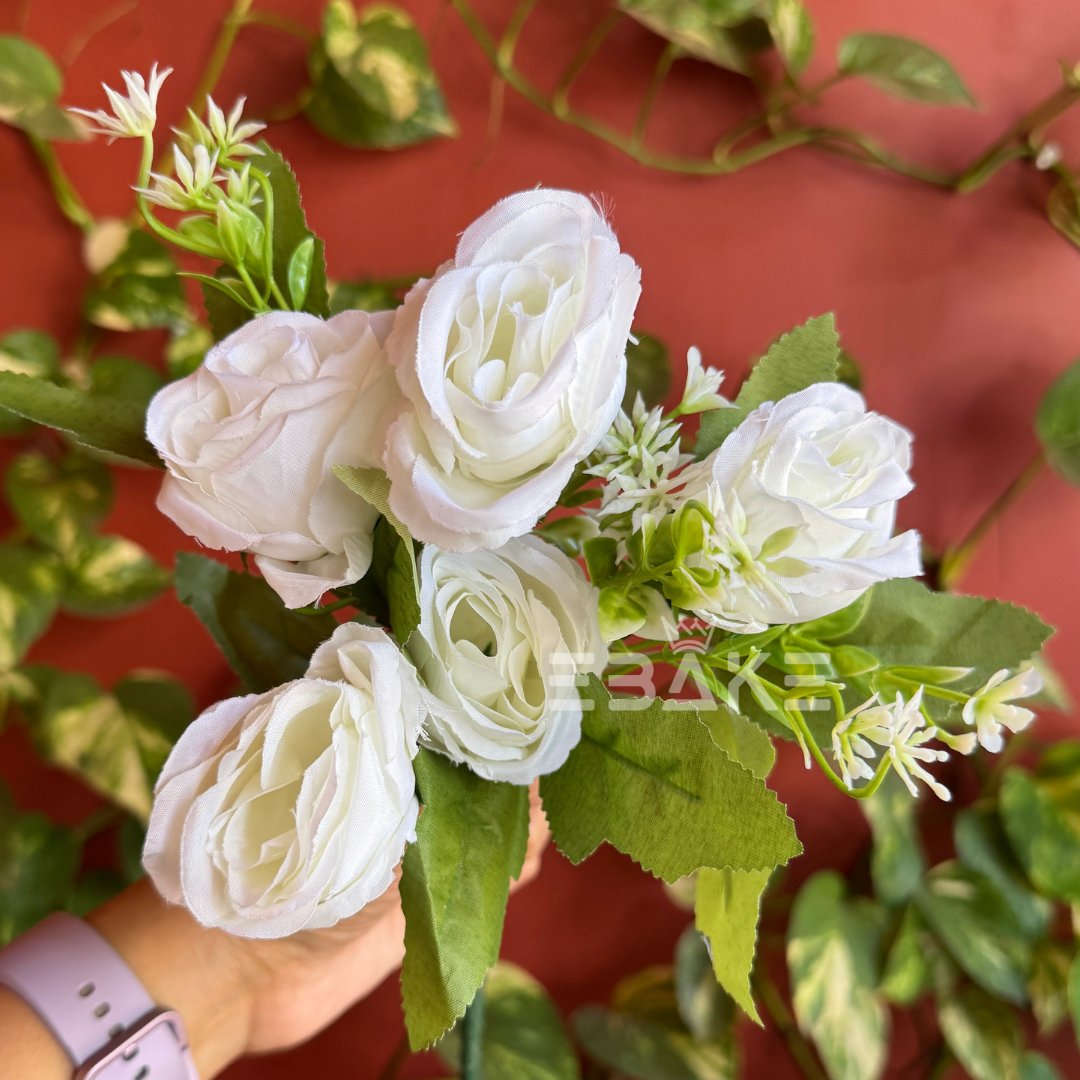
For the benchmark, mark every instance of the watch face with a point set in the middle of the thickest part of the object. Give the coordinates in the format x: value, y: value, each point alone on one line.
x: 152, y: 1047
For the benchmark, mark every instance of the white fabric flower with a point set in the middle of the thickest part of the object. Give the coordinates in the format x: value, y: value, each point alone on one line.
x: 249, y: 440
x: 502, y: 636
x: 702, y: 385
x: 804, y: 495
x: 289, y: 810
x: 989, y: 709
x: 134, y: 116
x: 513, y: 361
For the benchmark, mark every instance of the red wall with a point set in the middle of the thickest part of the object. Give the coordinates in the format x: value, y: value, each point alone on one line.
x: 961, y: 311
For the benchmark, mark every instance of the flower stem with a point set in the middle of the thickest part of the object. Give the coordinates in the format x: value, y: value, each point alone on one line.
x: 777, y: 1009
x: 67, y: 198
x: 472, y: 1038
x: 97, y: 822
x: 397, y: 1059
x: 957, y: 559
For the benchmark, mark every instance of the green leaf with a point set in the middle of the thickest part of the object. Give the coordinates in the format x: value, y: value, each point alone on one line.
x: 126, y: 379
x: 1040, y: 817
x: 373, y: 83
x: 646, y: 1050
x: 92, y: 890
x: 374, y: 295
x: 393, y: 566
x: 99, y: 421
x: 792, y: 33
x: 832, y: 953
x: 897, y: 861
x: 130, y: 843
x: 1057, y: 424
x: 981, y: 845
x: 907, y: 625
x: 139, y: 290
x: 187, y: 348
x: 109, y: 575
x: 804, y: 356
x: 30, y: 583
x: 30, y: 352
x: 1034, y: 1066
x: 848, y: 371
x: 30, y: 83
x: 704, y: 1006
x: 291, y: 230
x: 727, y: 906
x: 741, y: 739
x: 654, y: 785
x: 982, y: 1033
x: 908, y: 973
x: 373, y: 486
x: 38, y: 861
x: 568, y: 533
x: 79, y: 727
x: 223, y: 312
x: 59, y: 502
x: 157, y: 702
x: 723, y: 32
x: 648, y: 371
x: 978, y: 928
x: 470, y: 841
x: 523, y: 1033
x: 264, y: 642
x: 1048, y: 986
x: 903, y: 68
x: 300, y: 271
x: 1063, y: 212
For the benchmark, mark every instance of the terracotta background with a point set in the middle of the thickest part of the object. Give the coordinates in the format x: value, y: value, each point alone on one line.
x: 960, y: 310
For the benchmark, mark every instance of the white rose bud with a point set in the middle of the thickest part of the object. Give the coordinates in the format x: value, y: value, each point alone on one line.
x: 804, y: 492
x: 513, y: 360
x: 502, y: 636
x: 249, y: 440
x: 289, y: 810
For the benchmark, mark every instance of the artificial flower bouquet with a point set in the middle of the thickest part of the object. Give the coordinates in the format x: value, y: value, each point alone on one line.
x: 478, y: 569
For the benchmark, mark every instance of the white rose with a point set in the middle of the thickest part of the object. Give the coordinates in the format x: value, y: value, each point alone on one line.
x: 502, y: 636
x: 249, y: 440
x: 289, y: 810
x: 513, y: 361
x: 804, y: 493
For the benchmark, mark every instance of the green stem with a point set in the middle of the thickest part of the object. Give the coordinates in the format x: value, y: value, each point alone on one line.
x: 67, y: 198
x: 397, y: 1059
x: 97, y: 822
x: 282, y: 23
x: 560, y: 98
x: 652, y: 92
x: 513, y: 31
x: 326, y: 608
x: 472, y: 1038
x: 956, y: 560
x: 775, y: 1006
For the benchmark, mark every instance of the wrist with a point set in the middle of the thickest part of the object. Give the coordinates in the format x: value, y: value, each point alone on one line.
x: 207, y: 976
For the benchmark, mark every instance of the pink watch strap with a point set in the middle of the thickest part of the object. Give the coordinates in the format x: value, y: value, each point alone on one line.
x: 91, y: 1000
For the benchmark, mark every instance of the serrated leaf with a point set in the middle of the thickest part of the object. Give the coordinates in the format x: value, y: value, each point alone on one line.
x: 79, y: 727
x: 897, y: 861
x: 977, y: 926
x: 523, y: 1036
x: 727, y: 906
x: 470, y: 841
x: 59, y: 502
x: 30, y: 583
x: 653, y: 784
x: 373, y: 83
x: 223, y: 313
x: 108, y: 575
x: 792, y: 33
x: 803, y: 356
x: 393, y: 567
x: 1040, y: 819
x: 723, y: 32
x: 1057, y: 424
x: 982, y: 1033
x: 832, y: 952
x: 903, y: 68
x: 291, y: 230
x: 264, y: 642
x: 907, y: 625
x: 981, y: 845
x: 38, y: 861
x: 100, y: 421
x: 30, y: 83
x: 907, y: 973
x: 648, y: 371
x: 741, y: 739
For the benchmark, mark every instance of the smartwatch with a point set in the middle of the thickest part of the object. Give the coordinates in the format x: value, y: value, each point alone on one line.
x: 94, y: 1005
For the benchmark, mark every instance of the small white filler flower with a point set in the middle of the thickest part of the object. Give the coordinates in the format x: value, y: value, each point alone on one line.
x: 989, y: 709
x: 702, y: 384
x: 134, y: 116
